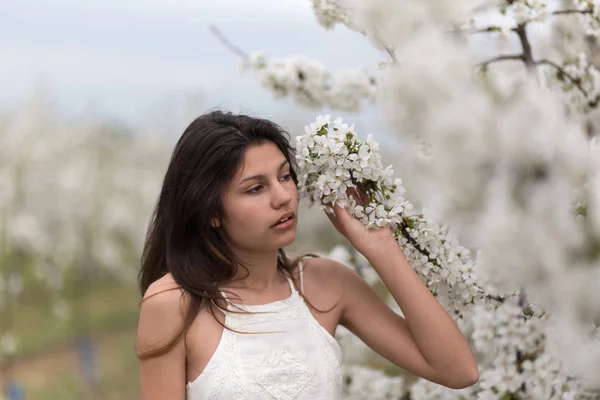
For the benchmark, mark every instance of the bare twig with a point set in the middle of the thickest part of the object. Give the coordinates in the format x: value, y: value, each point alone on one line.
x: 564, y: 74
x: 388, y: 49
x: 391, y: 53
x: 243, y: 55
x: 489, y: 29
x: 501, y: 58
x: 564, y: 12
x: 233, y: 48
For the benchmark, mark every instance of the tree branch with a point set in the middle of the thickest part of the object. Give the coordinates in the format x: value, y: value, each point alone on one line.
x: 502, y: 58
x: 562, y: 73
x: 526, y: 56
x: 233, y: 48
x: 527, y: 53
x: 489, y: 29
x: 564, y: 12
x: 243, y: 55
x: 391, y: 53
x: 388, y: 49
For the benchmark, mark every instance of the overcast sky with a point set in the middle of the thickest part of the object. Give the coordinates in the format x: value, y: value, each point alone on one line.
x: 155, y: 61
x: 139, y: 59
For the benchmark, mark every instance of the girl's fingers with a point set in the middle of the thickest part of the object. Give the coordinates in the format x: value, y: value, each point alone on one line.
x: 358, y: 194
x: 333, y: 221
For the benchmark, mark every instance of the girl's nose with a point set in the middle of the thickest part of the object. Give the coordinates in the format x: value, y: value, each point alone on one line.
x: 282, y: 195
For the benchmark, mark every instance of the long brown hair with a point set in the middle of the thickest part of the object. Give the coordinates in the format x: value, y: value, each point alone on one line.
x: 180, y: 237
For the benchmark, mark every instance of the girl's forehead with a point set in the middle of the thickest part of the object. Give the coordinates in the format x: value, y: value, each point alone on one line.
x: 262, y: 152
x: 260, y: 159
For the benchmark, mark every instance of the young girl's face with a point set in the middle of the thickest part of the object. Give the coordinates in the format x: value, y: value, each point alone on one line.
x: 260, y: 193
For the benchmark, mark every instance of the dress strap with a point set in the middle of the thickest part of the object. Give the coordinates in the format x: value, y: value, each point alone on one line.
x: 300, y: 267
x: 222, y: 293
x: 228, y: 304
x: 291, y: 283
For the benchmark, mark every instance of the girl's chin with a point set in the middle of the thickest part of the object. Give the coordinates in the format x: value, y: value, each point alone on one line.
x: 287, y: 239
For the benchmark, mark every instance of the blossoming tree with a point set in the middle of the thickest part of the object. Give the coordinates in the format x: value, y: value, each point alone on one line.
x: 502, y: 152
x: 66, y: 211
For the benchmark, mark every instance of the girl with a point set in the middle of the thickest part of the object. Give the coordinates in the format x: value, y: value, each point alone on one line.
x: 226, y: 314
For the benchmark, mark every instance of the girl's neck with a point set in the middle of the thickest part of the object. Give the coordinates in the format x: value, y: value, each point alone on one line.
x: 259, y: 273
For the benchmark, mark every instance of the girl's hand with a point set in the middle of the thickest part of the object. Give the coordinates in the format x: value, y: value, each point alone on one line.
x: 360, y: 237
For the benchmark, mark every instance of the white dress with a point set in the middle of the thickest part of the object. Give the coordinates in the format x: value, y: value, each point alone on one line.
x: 291, y: 356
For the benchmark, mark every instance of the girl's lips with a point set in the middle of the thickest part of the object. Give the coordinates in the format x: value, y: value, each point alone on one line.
x: 283, y: 216
x: 284, y: 225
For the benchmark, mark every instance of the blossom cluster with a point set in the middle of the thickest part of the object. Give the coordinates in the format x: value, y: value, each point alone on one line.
x: 589, y: 15
x: 523, y: 11
x: 426, y: 390
x: 328, y: 13
x: 579, y: 80
x: 512, y: 338
x: 332, y: 160
x: 311, y: 84
x: 368, y: 383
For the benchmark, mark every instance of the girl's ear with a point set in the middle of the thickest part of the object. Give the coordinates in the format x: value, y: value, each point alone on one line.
x: 215, y: 222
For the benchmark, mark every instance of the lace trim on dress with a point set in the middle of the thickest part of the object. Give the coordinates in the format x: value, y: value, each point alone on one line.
x: 286, y: 375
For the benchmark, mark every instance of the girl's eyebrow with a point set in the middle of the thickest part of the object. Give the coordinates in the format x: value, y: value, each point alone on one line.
x: 263, y: 176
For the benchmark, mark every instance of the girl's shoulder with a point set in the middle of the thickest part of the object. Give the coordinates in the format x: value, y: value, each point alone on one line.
x: 323, y: 280
x: 164, y: 302
x: 165, y: 284
x: 323, y: 269
x: 162, y: 311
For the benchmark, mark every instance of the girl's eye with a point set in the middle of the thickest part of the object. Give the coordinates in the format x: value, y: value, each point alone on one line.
x: 255, y: 190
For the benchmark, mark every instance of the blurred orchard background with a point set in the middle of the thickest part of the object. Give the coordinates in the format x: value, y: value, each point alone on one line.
x: 95, y: 94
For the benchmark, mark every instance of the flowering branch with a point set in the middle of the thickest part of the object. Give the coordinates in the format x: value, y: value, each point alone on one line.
x: 562, y: 73
x: 307, y: 80
x: 582, y: 75
x: 332, y: 159
x: 526, y: 56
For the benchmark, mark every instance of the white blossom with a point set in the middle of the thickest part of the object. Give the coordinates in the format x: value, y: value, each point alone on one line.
x: 311, y: 84
x: 367, y: 383
x: 328, y: 146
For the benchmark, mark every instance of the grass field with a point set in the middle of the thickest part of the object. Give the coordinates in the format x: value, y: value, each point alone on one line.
x: 55, y: 374
x: 47, y: 364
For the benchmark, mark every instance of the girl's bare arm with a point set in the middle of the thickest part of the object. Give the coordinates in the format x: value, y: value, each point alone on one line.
x: 161, y: 316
